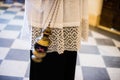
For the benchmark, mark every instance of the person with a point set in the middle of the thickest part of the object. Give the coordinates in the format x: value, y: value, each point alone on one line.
x: 69, y: 24
x: 68, y: 21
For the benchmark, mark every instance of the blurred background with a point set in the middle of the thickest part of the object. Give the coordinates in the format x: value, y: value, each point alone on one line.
x: 98, y: 58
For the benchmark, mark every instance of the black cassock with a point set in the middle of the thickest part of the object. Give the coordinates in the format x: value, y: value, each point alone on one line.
x: 54, y: 66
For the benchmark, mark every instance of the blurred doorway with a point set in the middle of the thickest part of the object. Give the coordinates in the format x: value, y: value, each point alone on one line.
x: 110, y: 16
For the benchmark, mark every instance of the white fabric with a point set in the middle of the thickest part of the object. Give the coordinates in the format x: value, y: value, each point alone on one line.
x: 72, y: 16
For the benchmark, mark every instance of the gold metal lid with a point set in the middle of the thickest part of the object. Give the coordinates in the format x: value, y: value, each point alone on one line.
x: 44, y: 42
x: 47, y: 31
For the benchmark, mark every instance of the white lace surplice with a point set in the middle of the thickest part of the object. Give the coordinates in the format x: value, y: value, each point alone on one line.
x: 69, y: 26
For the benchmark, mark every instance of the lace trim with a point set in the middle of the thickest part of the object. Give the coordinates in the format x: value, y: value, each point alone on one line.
x: 62, y: 39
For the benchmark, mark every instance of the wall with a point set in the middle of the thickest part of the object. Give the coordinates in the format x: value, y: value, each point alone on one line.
x: 95, y: 7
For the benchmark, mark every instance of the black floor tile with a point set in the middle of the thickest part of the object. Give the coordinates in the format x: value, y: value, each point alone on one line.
x: 18, y: 17
x: 107, y: 42
x: 3, y: 8
x: 6, y: 42
x: 10, y: 12
x: 10, y: 78
x: 17, y: 54
x: 22, y: 9
x: 4, y: 21
x: 16, y: 6
x: 113, y: 62
x: 92, y: 73
x: 119, y: 48
x: 0, y: 61
x: 13, y: 27
x: 89, y: 49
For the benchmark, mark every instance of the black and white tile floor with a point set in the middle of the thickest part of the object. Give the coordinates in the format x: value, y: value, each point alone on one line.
x: 98, y: 59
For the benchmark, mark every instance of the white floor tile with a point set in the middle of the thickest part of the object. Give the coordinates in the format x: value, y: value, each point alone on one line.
x: 21, y: 44
x: 17, y: 4
x: 91, y: 60
x: 13, y: 68
x: 98, y: 35
x: 2, y: 26
x: 26, y: 79
x: 20, y: 14
x: 78, y: 73
x: 7, y: 16
x: 3, y: 52
x: 9, y: 34
x: 91, y: 41
x: 114, y: 73
x: 1, y: 12
x: 109, y: 51
x: 14, y: 9
x: 117, y: 43
x: 16, y: 22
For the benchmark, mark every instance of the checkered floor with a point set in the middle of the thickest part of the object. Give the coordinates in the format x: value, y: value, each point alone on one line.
x: 98, y: 59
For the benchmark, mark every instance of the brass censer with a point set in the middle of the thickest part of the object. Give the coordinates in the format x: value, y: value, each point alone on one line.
x: 41, y: 46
